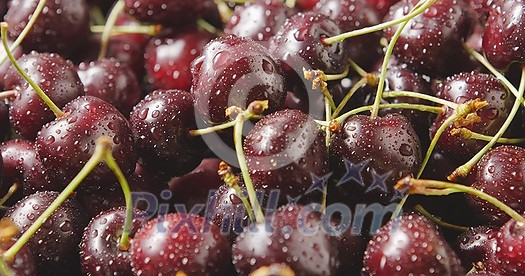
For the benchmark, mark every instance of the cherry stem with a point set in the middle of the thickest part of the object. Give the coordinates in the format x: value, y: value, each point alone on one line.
x: 26, y: 30
x: 224, y: 10
x: 433, y: 142
x: 3, y: 32
x: 439, y: 221
x: 239, y: 123
x: 384, y: 68
x: 290, y: 3
x: 463, y: 170
x: 399, y: 207
x: 419, y: 8
x: 232, y: 181
x: 209, y: 27
x: 124, y: 242
x: 420, y: 107
x: 440, y: 188
x: 466, y: 133
x: 349, y: 95
x: 110, y: 22
x: 8, y: 94
x: 12, y: 190
x: 96, y: 14
x: 103, y: 145
x: 494, y: 71
x: 395, y: 94
x: 5, y: 270
x: 150, y: 30
x: 212, y: 129
x: 319, y: 78
x: 359, y: 70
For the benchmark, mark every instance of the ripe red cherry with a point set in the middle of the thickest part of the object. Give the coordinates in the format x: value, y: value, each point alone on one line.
x: 60, y: 28
x: 235, y: 71
x: 478, y: 244
x: 179, y: 243
x: 24, y: 262
x: 410, y: 244
x: 511, y: 247
x: 174, y: 13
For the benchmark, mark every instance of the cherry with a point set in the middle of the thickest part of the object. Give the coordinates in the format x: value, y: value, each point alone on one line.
x: 286, y: 151
x: 460, y: 88
x: 476, y: 245
x: 352, y: 15
x: 22, y: 165
x: 235, y: 71
x: 66, y: 143
x: 381, y: 6
x: 24, y: 263
x: 99, y: 250
x: 228, y: 213
x: 161, y: 123
x: 179, y: 243
x: 511, y: 247
x: 258, y: 20
x: 504, y: 36
x: 380, y: 151
x: 410, y: 244
x: 311, y: 253
x: 169, y: 14
x: 168, y: 58
x: 61, y: 27
x: 112, y: 81
x: 58, y: 79
x: 55, y: 245
x: 306, y: 5
x: 351, y: 249
x: 431, y: 36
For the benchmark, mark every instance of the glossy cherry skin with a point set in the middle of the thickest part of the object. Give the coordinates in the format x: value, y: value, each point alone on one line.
x: 306, y: 5
x: 112, y: 81
x: 174, y: 13
x: 284, y: 151
x: 235, y: 71
x: 387, y: 148
x: 99, y: 251
x: 168, y: 58
x: 431, y: 36
x: 258, y: 20
x: 5, y: 126
x: 161, y: 123
x: 410, y: 244
x: 23, y: 263
x: 511, y: 247
x: 478, y: 244
x: 381, y: 6
x: 504, y: 34
x: 179, y: 243
x: 228, y: 212
x: 60, y: 28
x: 460, y: 88
x: 55, y: 245
x: 56, y: 76
x: 67, y: 143
x: 282, y: 239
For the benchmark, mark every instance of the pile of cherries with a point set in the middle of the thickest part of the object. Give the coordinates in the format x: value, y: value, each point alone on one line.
x: 262, y: 137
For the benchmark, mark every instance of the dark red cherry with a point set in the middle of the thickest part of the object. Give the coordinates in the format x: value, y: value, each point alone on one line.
x: 172, y: 13
x: 431, y: 42
x: 500, y: 174
x: 61, y: 27
x: 67, y: 143
x: 377, y: 153
x: 23, y: 263
x: 286, y: 150
x: 228, y: 212
x: 352, y: 15
x: 235, y: 71
x: 55, y: 245
x: 258, y: 20
x: 291, y: 235
x: 460, y: 88
x: 22, y: 165
x: 299, y: 43
x: 179, y: 243
x: 4, y: 66
x: 112, y: 81
x: 410, y: 244
x: 381, y: 6
x: 58, y: 79
x: 476, y: 245
x: 505, y: 34
x: 306, y: 5
x: 168, y: 58
x: 161, y: 123
x: 510, y: 250
x: 351, y: 249
x: 99, y: 249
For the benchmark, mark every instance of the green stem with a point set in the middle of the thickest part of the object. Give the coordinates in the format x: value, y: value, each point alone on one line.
x: 3, y: 32
x: 290, y: 3
x: 464, y: 169
x: 466, y: 133
x: 245, y: 202
x: 384, y: 67
x: 494, y: 71
x: 26, y: 30
x: 259, y: 216
x: 150, y: 30
x: 332, y: 77
x: 209, y: 27
x: 5, y: 270
x: 359, y: 70
x: 102, y: 146
x: 418, y: 9
x: 212, y: 129
x: 124, y: 242
x: 420, y: 107
x: 110, y: 22
x: 348, y: 96
x: 395, y: 94
x: 434, y: 141
x: 399, y: 207
x: 10, y: 193
x: 439, y: 221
